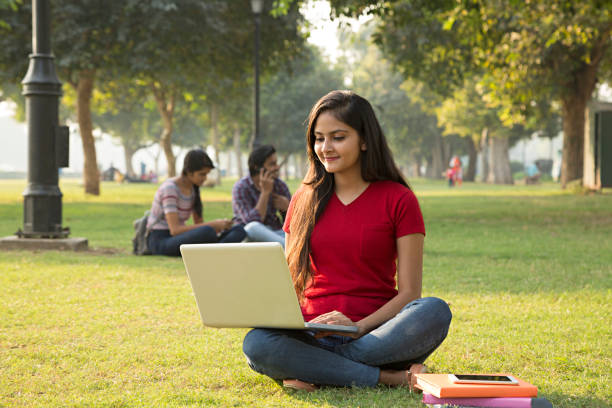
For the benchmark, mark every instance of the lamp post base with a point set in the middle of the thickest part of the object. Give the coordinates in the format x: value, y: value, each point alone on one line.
x: 42, y: 215
x: 14, y: 242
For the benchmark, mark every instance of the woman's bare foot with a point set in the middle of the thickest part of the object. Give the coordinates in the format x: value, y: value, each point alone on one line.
x: 299, y: 385
x: 394, y: 378
x: 402, y: 377
x: 416, y: 369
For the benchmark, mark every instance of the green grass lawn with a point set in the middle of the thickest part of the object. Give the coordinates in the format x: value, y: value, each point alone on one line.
x: 527, y: 270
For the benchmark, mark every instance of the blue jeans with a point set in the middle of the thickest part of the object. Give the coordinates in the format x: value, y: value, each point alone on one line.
x: 258, y: 232
x: 162, y: 243
x: 408, y: 338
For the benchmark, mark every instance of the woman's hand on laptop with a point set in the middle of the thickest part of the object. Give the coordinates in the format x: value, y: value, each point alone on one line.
x: 337, y: 318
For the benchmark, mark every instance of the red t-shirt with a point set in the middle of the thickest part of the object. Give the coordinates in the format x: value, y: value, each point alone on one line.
x: 354, y: 250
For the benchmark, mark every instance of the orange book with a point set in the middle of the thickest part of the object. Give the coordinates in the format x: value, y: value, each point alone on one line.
x: 441, y: 386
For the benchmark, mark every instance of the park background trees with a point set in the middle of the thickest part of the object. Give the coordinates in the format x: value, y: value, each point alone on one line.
x: 526, y: 53
x: 188, y: 54
x: 446, y: 78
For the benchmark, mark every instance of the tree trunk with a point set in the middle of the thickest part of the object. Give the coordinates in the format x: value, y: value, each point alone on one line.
x: 470, y: 172
x: 579, y: 90
x: 438, y: 165
x: 574, y: 110
x: 499, y: 166
x: 128, y: 153
x: 484, y: 155
x: 91, y: 174
x: 414, y: 168
x: 429, y: 167
x: 166, y: 111
x: 237, y: 149
x: 215, y: 140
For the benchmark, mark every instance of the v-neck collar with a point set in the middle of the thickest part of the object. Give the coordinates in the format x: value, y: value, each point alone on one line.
x: 346, y: 205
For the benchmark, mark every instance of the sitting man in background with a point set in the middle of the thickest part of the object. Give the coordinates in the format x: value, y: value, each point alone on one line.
x: 259, y: 198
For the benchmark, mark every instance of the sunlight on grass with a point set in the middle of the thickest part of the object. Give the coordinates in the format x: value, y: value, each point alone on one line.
x: 110, y: 192
x: 439, y: 188
x: 137, y: 193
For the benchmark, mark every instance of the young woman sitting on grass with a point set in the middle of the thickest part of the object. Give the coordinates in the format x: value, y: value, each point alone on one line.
x: 353, y: 217
x: 176, y: 200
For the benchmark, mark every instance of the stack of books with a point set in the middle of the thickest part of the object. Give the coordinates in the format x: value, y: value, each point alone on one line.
x: 440, y: 392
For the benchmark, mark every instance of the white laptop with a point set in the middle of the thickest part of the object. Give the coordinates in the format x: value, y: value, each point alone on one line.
x: 246, y: 285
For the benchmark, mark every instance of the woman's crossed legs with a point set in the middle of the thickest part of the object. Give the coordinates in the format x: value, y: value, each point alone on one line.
x: 381, y: 356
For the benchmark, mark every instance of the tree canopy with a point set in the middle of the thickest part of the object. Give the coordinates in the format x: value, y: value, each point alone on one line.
x: 288, y: 96
x: 526, y: 52
x: 192, y: 61
x: 186, y: 51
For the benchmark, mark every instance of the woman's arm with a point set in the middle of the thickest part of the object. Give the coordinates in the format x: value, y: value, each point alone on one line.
x: 177, y: 228
x: 409, y: 282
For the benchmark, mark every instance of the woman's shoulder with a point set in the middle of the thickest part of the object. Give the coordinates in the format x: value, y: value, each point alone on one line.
x: 169, y: 182
x: 394, y: 193
x: 391, y: 187
x: 168, y: 185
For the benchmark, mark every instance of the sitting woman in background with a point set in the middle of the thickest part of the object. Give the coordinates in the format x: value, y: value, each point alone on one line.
x: 175, y: 201
x: 353, y: 217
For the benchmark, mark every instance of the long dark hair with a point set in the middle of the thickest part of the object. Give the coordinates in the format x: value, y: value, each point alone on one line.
x: 196, y: 160
x: 318, y: 185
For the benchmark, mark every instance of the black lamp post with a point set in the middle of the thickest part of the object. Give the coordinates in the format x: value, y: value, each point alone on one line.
x: 47, y: 142
x: 257, y: 7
